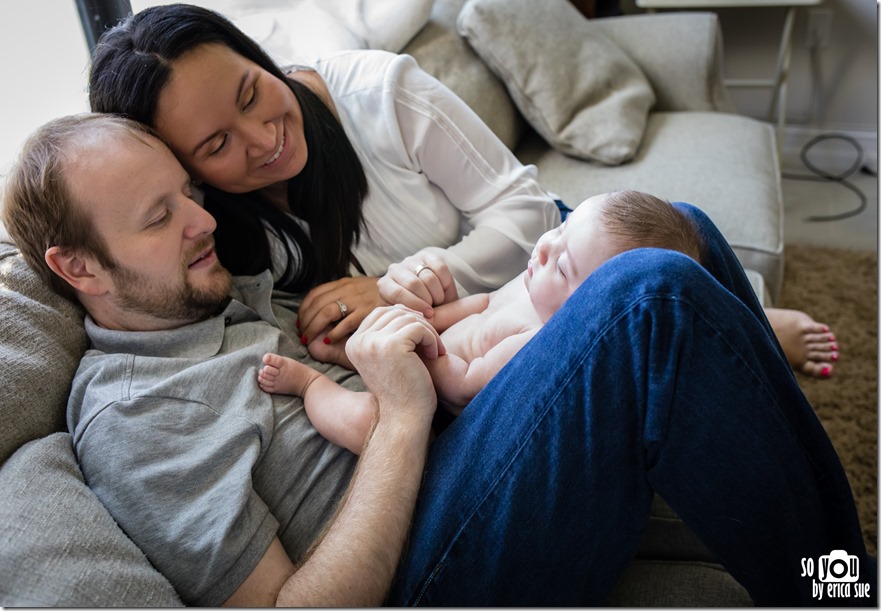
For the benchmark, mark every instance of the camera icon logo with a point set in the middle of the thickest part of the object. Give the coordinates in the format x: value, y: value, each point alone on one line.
x: 838, y: 567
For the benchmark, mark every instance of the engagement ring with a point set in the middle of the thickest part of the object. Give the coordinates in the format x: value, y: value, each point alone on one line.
x: 419, y: 268
x: 344, y: 310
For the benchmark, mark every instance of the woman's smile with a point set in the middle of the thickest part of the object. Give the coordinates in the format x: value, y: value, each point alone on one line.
x: 233, y: 124
x: 277, y: 153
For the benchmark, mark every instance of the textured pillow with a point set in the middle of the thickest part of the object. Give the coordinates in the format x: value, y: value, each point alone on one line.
x: 579, y: 90
x: 60, y: 547
x: 41, y: 342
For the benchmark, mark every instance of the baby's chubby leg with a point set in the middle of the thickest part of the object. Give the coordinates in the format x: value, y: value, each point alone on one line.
x: 342, y: 416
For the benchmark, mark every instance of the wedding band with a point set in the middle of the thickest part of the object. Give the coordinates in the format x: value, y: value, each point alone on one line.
x: 419, y: 268
x: 344, y: 310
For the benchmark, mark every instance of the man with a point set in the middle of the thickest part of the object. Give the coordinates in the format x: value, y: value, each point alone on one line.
x: 136, y: 250
x: 537, y: 494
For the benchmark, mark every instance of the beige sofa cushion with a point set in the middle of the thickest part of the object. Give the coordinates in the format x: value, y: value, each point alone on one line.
x: 60, y: 547
x: 41, y: 342
x: 442, y: 53
x: 576, y: 87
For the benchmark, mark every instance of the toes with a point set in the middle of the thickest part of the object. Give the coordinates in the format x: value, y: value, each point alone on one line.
x: 822, y: 356
x: 817, y: 369
x: 821, y: 347
x: 273, y: 360
x: 819, y: 338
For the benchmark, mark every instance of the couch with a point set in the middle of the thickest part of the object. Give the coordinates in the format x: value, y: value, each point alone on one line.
x: 633, y: 101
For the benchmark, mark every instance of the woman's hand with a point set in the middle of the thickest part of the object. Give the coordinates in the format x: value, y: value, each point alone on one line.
x: 324, y: 305
x: 419, y: 282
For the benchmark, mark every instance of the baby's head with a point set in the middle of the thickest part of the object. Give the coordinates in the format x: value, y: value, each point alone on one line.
x: 598, y: 229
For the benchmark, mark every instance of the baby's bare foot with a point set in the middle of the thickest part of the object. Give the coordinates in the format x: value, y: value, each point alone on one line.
x: 282, y: 375
x: 809, y: 346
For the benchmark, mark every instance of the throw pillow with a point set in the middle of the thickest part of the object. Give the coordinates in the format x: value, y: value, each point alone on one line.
x: 60, y: 546
x: 576, y: 87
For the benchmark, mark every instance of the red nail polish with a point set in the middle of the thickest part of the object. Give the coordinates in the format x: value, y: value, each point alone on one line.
x: 825, y: 372
x: 304, y: 340
x: 834, y: 347
x: 831, y: 338
x: 327, y: 340
x: 825, y: 329
x: 834, y: 357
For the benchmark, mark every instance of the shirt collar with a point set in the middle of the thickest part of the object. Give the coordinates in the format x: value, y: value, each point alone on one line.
x: 250, y: 301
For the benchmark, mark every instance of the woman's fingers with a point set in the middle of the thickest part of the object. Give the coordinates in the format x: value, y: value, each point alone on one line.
x: 337, y: 307
x: 419, y: 282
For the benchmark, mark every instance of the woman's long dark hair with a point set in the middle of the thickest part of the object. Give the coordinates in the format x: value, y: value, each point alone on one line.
x: 132, y: 64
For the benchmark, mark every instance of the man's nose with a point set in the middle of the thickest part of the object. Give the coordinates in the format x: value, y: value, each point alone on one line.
x: 199, y: 221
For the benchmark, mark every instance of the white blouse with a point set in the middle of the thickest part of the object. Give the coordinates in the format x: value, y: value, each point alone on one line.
x: 439, y: 179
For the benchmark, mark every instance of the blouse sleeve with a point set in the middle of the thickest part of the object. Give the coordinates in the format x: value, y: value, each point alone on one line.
x: 503, y: 208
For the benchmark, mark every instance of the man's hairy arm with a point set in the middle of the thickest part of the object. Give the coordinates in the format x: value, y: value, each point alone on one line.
x: 354, y: 561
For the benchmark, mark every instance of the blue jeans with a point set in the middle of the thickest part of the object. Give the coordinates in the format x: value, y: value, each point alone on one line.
x: 657, y: 375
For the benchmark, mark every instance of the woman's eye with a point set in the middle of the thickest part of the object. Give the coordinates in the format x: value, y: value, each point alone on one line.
x: 251, y: 99
x: 219, y: 146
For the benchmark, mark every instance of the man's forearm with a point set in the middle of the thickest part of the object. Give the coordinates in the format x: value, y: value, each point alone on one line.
x: 355, y: 561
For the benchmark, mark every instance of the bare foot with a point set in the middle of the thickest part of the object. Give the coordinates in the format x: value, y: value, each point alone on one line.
x: 281, y: 375
x: 809, y: 346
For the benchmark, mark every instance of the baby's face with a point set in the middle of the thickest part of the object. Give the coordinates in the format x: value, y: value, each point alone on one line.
x: 564, y: 257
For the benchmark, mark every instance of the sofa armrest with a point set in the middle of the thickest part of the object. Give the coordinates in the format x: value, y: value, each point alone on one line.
x: 680, y: 54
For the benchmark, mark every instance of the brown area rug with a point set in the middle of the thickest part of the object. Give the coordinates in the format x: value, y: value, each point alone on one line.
x: 840, y: 288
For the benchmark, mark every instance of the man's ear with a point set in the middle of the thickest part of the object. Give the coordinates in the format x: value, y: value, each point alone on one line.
x: 82, y: 273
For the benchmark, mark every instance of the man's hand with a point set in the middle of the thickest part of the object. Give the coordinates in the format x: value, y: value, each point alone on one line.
x: 419, y: 282
x: 387, y: 350
x: 320, y: 308
x: 354, y: 562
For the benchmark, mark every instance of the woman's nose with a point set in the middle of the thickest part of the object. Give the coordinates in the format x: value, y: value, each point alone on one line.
x: 261, y: 138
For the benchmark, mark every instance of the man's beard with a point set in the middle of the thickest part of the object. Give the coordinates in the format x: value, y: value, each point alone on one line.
x: 174, y: 301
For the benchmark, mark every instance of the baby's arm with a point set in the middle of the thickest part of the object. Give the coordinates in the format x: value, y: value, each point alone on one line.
x: 342, y: 416
x: 448, y: 314
x: 457, y: 382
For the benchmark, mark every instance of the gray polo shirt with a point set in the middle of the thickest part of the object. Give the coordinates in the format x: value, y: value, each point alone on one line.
x: 199, y: 466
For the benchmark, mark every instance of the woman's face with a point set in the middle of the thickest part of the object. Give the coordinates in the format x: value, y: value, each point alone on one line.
x: 232, y: 124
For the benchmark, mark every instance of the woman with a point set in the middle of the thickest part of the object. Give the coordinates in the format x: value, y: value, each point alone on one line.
x: 367, y: 173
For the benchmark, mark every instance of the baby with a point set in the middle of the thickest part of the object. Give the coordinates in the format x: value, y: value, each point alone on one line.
x: 483, y: 332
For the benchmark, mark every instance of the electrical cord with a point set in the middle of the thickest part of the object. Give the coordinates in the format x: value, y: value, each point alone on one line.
x: 822, y: 175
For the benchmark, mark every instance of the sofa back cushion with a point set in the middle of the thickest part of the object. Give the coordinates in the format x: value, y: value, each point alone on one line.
x: 442, y: 53
x: 583, y: 94
x: 41, y: 342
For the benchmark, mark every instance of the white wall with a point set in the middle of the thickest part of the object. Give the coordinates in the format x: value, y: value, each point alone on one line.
x: 44, y: 68
x: 837, y: 91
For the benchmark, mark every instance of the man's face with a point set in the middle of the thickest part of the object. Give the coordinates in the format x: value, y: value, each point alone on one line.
x: 564, y: 257
x: 138, y: 197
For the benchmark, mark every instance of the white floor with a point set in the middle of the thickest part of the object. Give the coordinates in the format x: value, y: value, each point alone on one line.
x: 804, y: 199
